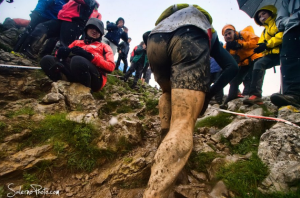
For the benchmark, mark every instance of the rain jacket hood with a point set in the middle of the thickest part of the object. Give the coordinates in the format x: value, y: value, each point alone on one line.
x: 96, y: 23
x: 119, y: 19
x: 270, y: 8
x: 271, y: 35
x: 249, y: 41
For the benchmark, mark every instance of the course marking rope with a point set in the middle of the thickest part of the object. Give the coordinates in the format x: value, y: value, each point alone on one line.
x: 258, y: 117
x: 31, y: 67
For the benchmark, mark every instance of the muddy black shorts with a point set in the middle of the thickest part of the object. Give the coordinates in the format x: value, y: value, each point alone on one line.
x: 181, y: 57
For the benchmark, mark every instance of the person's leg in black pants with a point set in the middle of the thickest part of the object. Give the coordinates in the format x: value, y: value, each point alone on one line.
x: 69, y: 32
x: 229, y: 67
x: 35, y: 20
x: 290, y: 70
x: 219, y: 95
x: 132, y: 68
x: 48, y: 47
x: 54, y: 69
x: 36, y: 39
x: 238, y: 79
x: 247, y: 83
x: 86, y: 73
x: 124, y: 59
x: 118, y: 61
x: 138, y: 74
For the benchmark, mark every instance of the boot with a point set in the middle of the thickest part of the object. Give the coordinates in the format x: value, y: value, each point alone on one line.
x: 253, y: 100
x: 256, y: 88
x: 284, y: 100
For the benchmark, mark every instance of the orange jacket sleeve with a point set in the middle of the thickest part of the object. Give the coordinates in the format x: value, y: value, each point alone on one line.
x: 104, y: 59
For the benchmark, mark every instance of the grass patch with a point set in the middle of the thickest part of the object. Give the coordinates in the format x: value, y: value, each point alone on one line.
x: 247, y: 145
x: 28, y: 180
x: 220, y: 121
x: 100, y: 95
x: 82, y: 153
x: 201, y: 161
x: 243, y: 177
x: 151, y: 105
x: 123, y: 146
x: 23, y: 111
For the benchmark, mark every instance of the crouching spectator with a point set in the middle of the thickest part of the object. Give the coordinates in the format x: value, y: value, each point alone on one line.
x: 90, y: 59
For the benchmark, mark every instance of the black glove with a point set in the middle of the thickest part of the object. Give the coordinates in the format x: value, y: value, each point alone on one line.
x: 233, y: 45
x: 63, y: 52
x: 81, y: 52
x: 261, y: 47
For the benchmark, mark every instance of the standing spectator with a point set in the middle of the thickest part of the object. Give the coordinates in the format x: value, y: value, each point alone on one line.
x: 90, y: 63
x: 123, y: 50
x: 139, y: 61
x: 269, y: 44
x: 240, y: 45
x: 69, y: 26
x: 44, y: 11
x: 115, y: 33
x: 215, y: 72
x: 288, y: 21
x: 146, y: 75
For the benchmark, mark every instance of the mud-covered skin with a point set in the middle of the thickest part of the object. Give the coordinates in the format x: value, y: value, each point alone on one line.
x: 176, y: 147
x: 180, y: 63
x: 181, y: 57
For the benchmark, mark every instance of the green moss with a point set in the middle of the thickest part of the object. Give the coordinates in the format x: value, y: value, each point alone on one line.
x: 127, y: 159
x: 243, y: 177
x: 28, y: 180
x: 247, y: 145
x: 100, y: 95
x: 23, y: 111
x: 219, y: 121
x: 124, y: 109
x: 201, y: 161
x: 151, y: 106
x: 82, y: 153
x: 123, y: 146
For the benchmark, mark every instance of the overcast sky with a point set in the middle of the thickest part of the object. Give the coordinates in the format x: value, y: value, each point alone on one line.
x: 140, y: 16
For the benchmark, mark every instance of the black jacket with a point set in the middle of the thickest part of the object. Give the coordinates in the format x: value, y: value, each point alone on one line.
x: 124, y: 47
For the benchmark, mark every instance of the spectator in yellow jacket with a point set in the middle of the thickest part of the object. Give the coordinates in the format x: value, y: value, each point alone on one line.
x: 268, y: 44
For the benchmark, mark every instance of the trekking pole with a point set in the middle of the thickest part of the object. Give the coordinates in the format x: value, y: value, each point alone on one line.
x: 31, y: 67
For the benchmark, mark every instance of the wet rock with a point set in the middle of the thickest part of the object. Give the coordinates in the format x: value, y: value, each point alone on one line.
x: 289, y: 113
x: 18, y: 136
x: 82, y: 117
x: 26, y: 159
x: 279, y: 148
x: 52, y: 98
x: 220, y: 190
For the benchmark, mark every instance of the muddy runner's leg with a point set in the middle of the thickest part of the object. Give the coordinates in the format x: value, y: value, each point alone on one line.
x: 175, y: 149
x: 165, y: 108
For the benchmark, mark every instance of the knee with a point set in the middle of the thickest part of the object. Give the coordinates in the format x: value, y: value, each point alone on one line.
x: 78, y: 63
x: 46, y: 61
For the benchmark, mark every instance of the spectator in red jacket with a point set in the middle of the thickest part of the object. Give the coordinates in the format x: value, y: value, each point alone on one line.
x: 68, y: 26
x: 90, y: 59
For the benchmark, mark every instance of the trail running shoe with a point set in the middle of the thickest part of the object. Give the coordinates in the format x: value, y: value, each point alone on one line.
x: 253, y: 100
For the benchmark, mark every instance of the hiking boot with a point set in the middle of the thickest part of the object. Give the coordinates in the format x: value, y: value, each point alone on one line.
x: 284, y: 100
x: 224, y: 106
x: 253, y: 100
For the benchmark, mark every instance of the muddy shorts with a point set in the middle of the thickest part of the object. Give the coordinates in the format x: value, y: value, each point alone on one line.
x: 181, y: 57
